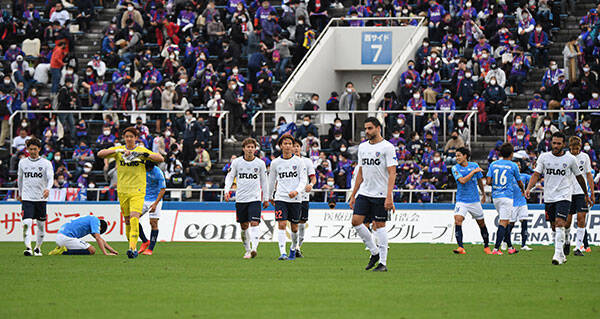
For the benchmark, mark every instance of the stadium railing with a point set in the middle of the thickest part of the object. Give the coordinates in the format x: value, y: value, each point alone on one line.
x: 223, y: 134
x: 512, y: 113
x: 470, y: 118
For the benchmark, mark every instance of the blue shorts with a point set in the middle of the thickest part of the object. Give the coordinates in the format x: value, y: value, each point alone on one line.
x: 247, y: 212
x: 578, y: 204
x: 557, y: 209
x: 287, y: 211
x: 304, y: 211
x: 372, y: 208
x: 34, y: 210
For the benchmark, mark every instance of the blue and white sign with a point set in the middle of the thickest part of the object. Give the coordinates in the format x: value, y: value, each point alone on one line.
x: 376, y: 47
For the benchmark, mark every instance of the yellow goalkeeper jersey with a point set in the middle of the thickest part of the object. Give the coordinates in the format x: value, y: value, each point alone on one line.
x: 131, y: 175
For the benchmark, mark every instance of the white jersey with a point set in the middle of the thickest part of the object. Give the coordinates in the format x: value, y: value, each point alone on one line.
x: 288, y: 174
x: 309, y: 170
x: 35, y: 176
x: 251, y: 180
x: 584, y: 165
x: 374, y: 159
x: 557, y: 172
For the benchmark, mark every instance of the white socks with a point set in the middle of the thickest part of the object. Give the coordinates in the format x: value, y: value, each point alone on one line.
x: 366, y: 237
x: 245, y: 240
x: 381, y: 235
x: 27, y: 223
x: 579, y: 240
x: 300, y: 234
x: 294, y: 241
x: 40, y: 234
x: 559, y: 241
x: 254, y: 234
x: 281, y: 240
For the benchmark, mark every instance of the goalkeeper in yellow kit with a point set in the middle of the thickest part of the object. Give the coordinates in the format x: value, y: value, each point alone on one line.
x: 131, y: 182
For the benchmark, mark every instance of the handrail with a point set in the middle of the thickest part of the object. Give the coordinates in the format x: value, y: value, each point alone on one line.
x: 515, y: 112
x: 222, y: 114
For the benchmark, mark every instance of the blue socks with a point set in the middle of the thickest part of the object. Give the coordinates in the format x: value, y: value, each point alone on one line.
x: 459, y: 235
x: 76, y: 252
x: 153, y: 238
x: 142, y: 235
x: 485, y: 235
x: 524, y: 233
x: 500, y: 236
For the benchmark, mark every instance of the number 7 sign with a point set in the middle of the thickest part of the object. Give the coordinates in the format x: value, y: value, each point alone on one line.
x: 376, y: 47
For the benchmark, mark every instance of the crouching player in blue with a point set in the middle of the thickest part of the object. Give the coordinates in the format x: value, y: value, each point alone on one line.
x: 69, y: 237
x: 155, y: 190
x: 468, y: 177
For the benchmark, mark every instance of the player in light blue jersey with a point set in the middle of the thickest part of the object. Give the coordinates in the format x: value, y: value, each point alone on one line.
x: 155, y: 190
x: 502, y: 175
x: 69, y: 237
x: 520, y: 214
x: 468, y: 177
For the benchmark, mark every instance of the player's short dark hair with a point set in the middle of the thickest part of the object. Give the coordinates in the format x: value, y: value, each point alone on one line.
x: 297, y: 141
x: 373, y: 120
x: 284, y: 137
x: 506, y: 150
x: 249, y: 140
x: 149, y: 165
x: 132, y: 130
x: 464, y: 151
x: 559, y: 134
x: 103, y: 226
x: 34, y: 141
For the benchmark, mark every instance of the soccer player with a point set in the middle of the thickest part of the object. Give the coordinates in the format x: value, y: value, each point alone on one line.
x: 69, y: 237
x: 468, y: 176
x: 250, y: 172
x: 578, y: 204
x: 287, y: 181
x: 155, y: 190
x: 558, y: 168
x: 312, y: 180
x: 502, y: 175
x: 520, y: 212
x: 374, y: 185
x: 35, y: 179
x: 131, y: 182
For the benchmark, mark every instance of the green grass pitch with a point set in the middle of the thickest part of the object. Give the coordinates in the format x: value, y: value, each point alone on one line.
x: 211, y: 280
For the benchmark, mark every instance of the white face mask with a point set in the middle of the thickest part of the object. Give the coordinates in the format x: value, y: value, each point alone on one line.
x: 315, y: 101
x: 235, y: 71
x: 305, y: 123
x: 217, y: 96
x: 587, y: 147
x: 595, y: 95
x: 500, y: 15
x: 461, y: 124
x: 408, y: 81
x: 168, y: 133
x: 315, y: 148
x: 571, y: 96
x: 52, y: 123
x: 586, y: 69
x: 429, y: 71
x: 586, y: 125
x: 400, y: 122
x: 129, y: 9
x: 520, y: 137
x: 330, y: 183
x: 546, y: 123
x: 484, y: 56
x: 92, y: 186
x: 87, y: 169
x: 518, y: 121
x: 416, y: 96
x: 338, y: 124
x: 538, y: 29
x: 24, y: 124
x: 553, y: 67
x: 57, y: 158
x: 450, y: 46
x: 342, y: 149
x: 468, y: 4
x: 274, y: 137
x: 396, y: 135
x: 349, y: 90
x: 337, y: 138
x: 434, y: 55
x: 436, y: 159
x: 493, y: 82
x: 425, y: 44
x: 233, y: 86
x: 106, y: 133
x: 7, y: 82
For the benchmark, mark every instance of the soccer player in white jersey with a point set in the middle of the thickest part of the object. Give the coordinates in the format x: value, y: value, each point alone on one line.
x: 312, y: 180
x: 558, y: 168
x: 578, y: 204
x: 35, y: 179
x: 250, y: 173
x: 287, y: 180
x: 374, y: 185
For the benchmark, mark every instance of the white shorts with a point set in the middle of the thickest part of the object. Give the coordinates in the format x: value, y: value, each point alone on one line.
x: 521, y: 213
x: 474, y: 209
x: 504, y: 207
x: 156, y: 213
x: 70, y: 242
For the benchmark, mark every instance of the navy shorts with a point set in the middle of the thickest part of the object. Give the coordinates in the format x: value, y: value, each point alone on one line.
x: 557, y: 209
x: 34, y: 210
x: 287, y: 211
x: 247, y: 212
x: 578, y: 204
x: 304, y: 211
x: 371, y: 207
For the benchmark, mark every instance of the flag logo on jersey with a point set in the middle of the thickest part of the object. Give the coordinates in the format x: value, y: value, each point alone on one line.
x: 255, y: 170
x: 294, y: 167
x: 564, y: 165
x: 377, y: 154
x: 40, y: 168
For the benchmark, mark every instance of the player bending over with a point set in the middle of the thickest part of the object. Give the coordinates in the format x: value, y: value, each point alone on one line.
x: 131, y: 182
x: 35, y: 178
x: 468, y: 176
x: 251, y: 175
x: 287, y: 180
x: 558, y: 168
x: 578, y: 204
x: 374, y: 185
x: 502, y: 175
x: 155, y: 190
x: 69, y: 237
x: 312, y: 180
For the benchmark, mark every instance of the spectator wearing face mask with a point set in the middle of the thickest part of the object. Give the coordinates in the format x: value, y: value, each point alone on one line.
x: 411, y: 74
x: 495, y: 99
x: 309, y: 141
x: 312, y: 104
x: 594, y: 104
x: 437, y: 171
x: 586, y: 84
x: 82, y: 155
x: 497, y: 74
x: 415, y: 145
x: 521, y: 141
x: 551, y: 77
x: 348, y: 101
x: 176, y: 177
x: 395, y: 139
x: 536, y: 104
x: 446, y: 106
x: 416, y: 105
x: 107, y: 139
x: 463, y: 132
x: 538, y: 42
x: 306, y: 127
x: 584, y: 130
x: 61, y: 182
x: 337, y: 141
x: 546, y: 128
x: 431, y: 80
x: 200, y: 166
x: 570, y: 103
x: 518, y: 124
x: 455, y: 142
x: 590, y: 151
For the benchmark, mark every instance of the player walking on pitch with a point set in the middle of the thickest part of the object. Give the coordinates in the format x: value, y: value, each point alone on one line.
x: 287, y: 180
x: 503, y: 174
x: 312, y: 180
x: 35, y: 179
x: 250, y: 173
x: 374, y: 185
x: 558, y: 168
x: 155, y: 190
x: 131, y: 182
x: 468, y: 176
